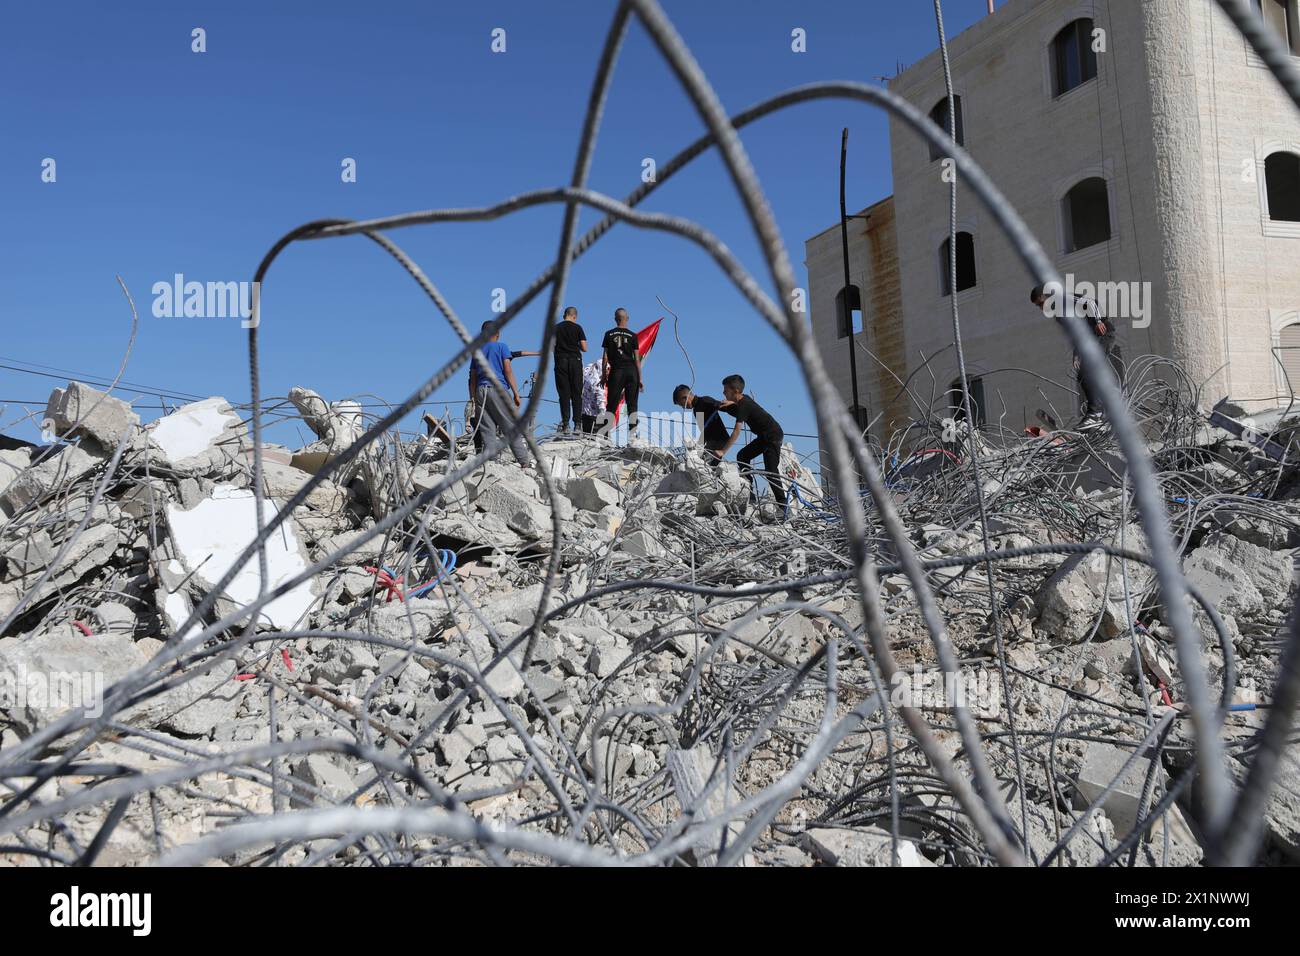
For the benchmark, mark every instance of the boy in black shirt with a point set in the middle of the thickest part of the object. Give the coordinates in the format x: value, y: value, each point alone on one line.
x: 621, y: 369
x: 713, y: 433
x: 570, y: 343
x: 768, y: 436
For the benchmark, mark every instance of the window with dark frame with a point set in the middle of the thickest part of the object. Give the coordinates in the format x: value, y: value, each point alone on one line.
x: 966, y: 278
x: 848, y: 309
x: 939, y: 115
x: 1284, y: 17
x: 1282, y: 185
x: 1073, y: 60
x: 956, y: 407
x: 1086, y: 211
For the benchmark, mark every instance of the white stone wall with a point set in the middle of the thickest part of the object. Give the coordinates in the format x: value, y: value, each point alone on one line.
x: 1178, y: 112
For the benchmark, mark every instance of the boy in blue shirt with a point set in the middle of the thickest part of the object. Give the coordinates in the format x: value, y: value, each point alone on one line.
x: 487, y: 403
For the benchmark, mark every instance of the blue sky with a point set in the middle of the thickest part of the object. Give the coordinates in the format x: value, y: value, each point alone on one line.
x: 173, y: 161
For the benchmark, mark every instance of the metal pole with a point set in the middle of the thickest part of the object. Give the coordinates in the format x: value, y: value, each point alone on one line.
x: 848, y: 313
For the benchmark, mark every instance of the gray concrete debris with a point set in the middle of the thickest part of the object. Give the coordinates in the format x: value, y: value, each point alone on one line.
x: 80, y: 411
x: 1089, y: 586
x: 869, y: 847
x: 1238, y: 577
x: 52, y: 469
x: 321, y: 775
x: 1101, y: 765
x: 201, y: 438
x: 590, y: 494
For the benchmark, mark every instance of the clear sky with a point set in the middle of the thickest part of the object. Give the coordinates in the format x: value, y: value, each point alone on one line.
x: 170, y: 161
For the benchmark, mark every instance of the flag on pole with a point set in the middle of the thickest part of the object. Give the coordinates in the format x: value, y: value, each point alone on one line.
x: 645, y: 341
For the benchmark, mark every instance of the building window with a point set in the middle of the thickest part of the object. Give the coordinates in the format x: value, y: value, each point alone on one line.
x: 1282, y: 185
x: 1284, y: 17
x: 956, y: 407
x: 1086, y: 214
x: 861, y: 417
x: 965, y: 264
x: 848, y: 311
x: 940, y: 117
x: 1073, y: 60
x: 1289, y: 356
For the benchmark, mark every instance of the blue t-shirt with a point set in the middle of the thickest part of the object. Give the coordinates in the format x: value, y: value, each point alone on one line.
x: 497, y: 354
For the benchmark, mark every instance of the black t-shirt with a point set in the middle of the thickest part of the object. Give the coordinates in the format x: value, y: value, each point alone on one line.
x: 711, y: 424
x: 620, y: 345
x: 569, y: 338
x: 762, y: 424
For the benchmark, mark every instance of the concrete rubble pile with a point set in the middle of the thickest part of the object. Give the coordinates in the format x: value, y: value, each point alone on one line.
x: 639, y: 685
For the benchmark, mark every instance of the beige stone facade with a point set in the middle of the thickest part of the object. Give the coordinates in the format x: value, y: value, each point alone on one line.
x: 1179, y: 122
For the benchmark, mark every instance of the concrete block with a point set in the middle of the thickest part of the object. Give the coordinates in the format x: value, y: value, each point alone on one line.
x: 1101, y: 764
x: 80, y: 411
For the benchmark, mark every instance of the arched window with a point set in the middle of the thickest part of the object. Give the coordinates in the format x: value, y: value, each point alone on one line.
x: 1085, y: 211
x: 940, y: 117
x: 1282, y: 185
x: 1073, y: 60
x: 848, y: 311
x: 1289, y: 355
x: 965, y: 264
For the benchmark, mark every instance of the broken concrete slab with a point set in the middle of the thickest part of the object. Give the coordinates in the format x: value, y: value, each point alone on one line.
x: 199, y: 438
x: 591, y: 494
x: 53, y: 469
x: 1101, y: 765
x: 1238, y: 577
x: 80, y: 411
x: 210, y: 537
x: 869, y: 847
x: 60, y: 671
x: 1088, y: 586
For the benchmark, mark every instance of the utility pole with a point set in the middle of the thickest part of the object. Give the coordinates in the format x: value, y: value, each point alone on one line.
x: 848, y: 312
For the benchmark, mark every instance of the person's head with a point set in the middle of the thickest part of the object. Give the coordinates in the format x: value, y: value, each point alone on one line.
x: 487, y: 325
x: 571, y: 314
x: 620, y: 317
x: 1038, y: 295
x: 682, y: 395
x: 733, y: 387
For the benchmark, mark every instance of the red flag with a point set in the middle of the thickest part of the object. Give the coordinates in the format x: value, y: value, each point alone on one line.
x: 645, y: 341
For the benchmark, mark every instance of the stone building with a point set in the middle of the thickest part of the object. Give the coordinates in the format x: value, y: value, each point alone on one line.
x: 1146, y: 147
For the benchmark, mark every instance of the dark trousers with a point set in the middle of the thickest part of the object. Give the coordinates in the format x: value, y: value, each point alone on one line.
x: 588, y: 424
x: 1090, y: 404
x: 568, y: 382
x: 625, y: 385
x: 770, y: 449
x: 713, y: 460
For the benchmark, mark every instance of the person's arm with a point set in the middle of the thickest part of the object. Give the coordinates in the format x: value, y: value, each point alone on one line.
x: 510, y: 379
x: 638, y: 371
x: 604, y: 366
x: 471, y: 381
x: 515, y: 355
x: 735, y: 434
x: 583, y: 345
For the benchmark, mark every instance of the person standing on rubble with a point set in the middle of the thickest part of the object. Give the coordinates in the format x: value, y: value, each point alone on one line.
x: 1088, y: 312
x: 713, y: 431
x: 768, y: 436
x: 487, y: 404
x: 621, y: 370
x: 593, y: 402
x: 570, y: 343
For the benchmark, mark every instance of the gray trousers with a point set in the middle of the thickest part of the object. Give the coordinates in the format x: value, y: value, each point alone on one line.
x: 491, y: 419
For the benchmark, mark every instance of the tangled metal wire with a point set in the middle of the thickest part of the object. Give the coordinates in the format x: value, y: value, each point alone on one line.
x: 783, y: 723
